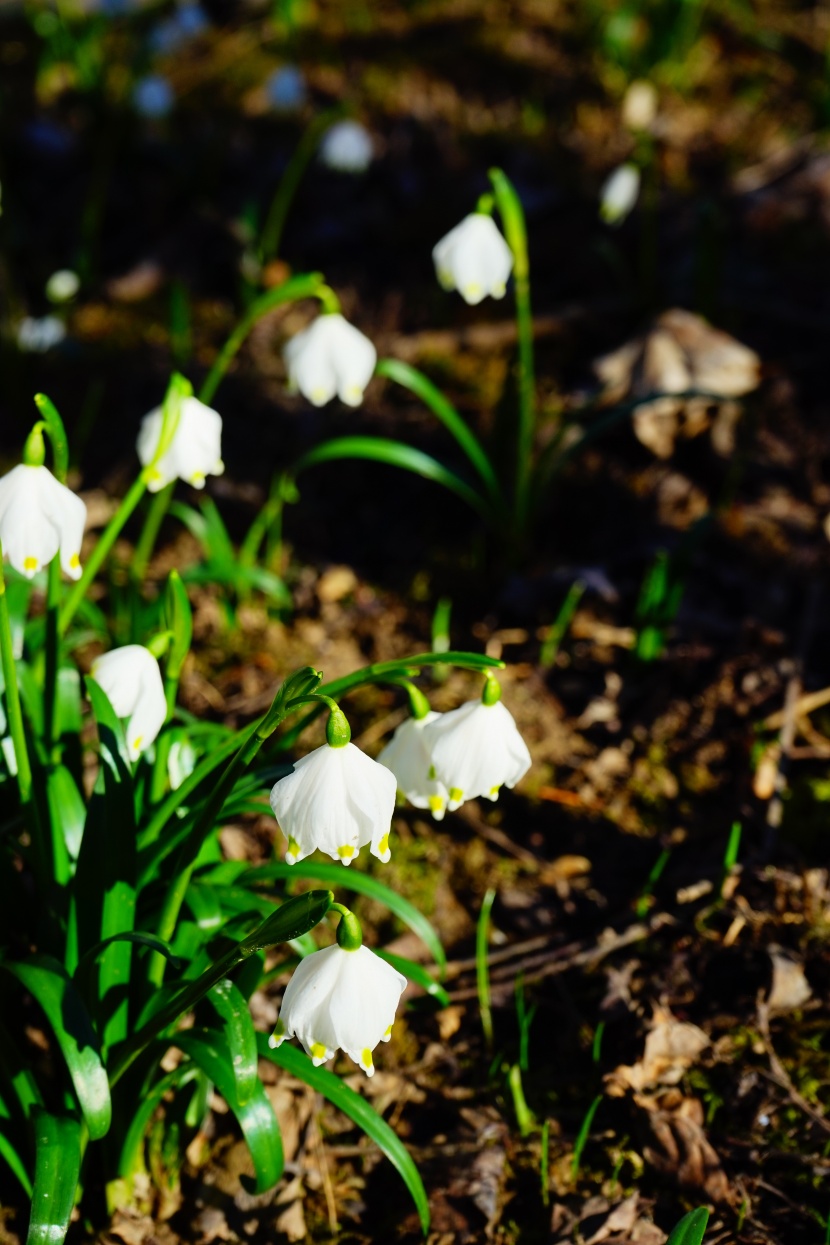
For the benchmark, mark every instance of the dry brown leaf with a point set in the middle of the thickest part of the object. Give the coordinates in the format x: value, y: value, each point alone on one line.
x: 621, y: 1219
x: 790, y: 988
x: 672, y: 1046
x: 291, y: 1223
x: 684, y: 1150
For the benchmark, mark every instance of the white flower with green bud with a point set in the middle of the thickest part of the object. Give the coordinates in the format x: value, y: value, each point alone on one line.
x: 194, y: 452
x: 476, y: 750
x: 331, y: 357
x: 619, y: 194
x: 131, y: 678
x: 337, y: 799
x: 407, y: 756
x: 39, y: 516
x: 342, y: 997
x: 474, y: 259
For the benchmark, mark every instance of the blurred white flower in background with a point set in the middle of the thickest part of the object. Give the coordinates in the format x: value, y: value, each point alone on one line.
x: 62, y: 286
x: 40, y: 517
x: 347, y: 147
x: 286, y: 90
x: 619, y: 194
x: 639, y: 106
x: 339, y: 998
x: 131, y: 678
x: 153, y: 97
x: 330, y: 357
x: 474, y: 259
x: 39, y: 334
x: 194, y: 452
x: 337, y: 799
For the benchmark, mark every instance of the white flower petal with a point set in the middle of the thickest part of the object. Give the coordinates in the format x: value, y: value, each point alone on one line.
x: 475, y: 750
x: 330, y: 357
x: 407, y: 756
x: 39, y: 516
x: 131, y: 678
x: 474, y: 259
x: 194, y: 452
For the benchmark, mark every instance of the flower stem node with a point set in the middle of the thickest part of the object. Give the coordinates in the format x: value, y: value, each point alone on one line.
x: 131, y: 678
x: 330, y: 357
x: 474, y: 259
x: 338, y: 800
x: 476, y: 750
x: 195, y: 449
x: 39, y: 517
x: 340, y: 998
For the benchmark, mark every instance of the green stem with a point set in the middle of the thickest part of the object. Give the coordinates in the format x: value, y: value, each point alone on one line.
x: 96, y: 559
x: 271, y: 238
x: 308, y: 285
x: 149, y: 533
x: 13, y: 710
x: 513, y: 219
x: 51, y: 653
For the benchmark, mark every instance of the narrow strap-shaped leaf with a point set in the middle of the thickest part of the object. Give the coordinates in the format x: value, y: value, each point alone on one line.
x: 57, y: 1167
x: 418, y: 974
x: 413, y: 380
x: 394, y: 454
x: 137, y: 938
x: 691, y: 1228
x: 10, y: 1155
x: 256, y: 1117
x: 358, y: 1109
x: 240, y: 1035
x: 67, y: 810
x: 129, y: 1159
x: 363, y: 884
x: 49, y: 983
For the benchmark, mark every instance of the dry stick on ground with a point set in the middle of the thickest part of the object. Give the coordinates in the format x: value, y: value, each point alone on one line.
x: 778, y: 1073
x: 562, y: 959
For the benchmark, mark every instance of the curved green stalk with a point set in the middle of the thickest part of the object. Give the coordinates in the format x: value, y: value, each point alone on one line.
x: 271, y: 238
x: 308, y: 285
x: 13, y: 709
x: 149, y: 532
x: 512, y: 215
x: 413, y: 380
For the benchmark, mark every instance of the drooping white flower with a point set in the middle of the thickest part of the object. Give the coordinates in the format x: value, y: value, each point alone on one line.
x: 131, y: 678
x: 40, y: 517
x: 340, y: 998
x: 195, y: 451
x: 330, y: 357
x: 62, y: 286
x: 474, y: 259
x: 36, y: 334
x: 476, y: 750
x: 347, y: 147
x: 619, y: 193
x: 407, y: 756
x: 639, y: 106
x: 338, y: 800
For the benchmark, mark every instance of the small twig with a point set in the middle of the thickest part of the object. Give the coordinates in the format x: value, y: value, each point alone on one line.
x: 778, y: 1073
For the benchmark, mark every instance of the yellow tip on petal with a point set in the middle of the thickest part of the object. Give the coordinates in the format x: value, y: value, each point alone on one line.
x: 387, y: 1035
x: 292, y: 852
x: 30, y: 564
x: 137, y: 742
x: 494, y: 791
x: 345, y: 852
x: 436, y: 804
x: 318, y: 1053
x: 383, y: 845
x: 319, y: 396
x: 74, y: 562
x: 278, y: 1036
x: 197, y: 479
x: 366, y: 1061
x: 473, y: 290
x: 456, y: 795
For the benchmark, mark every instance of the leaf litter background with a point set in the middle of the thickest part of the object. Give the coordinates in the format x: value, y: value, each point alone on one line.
x: 712, y: 1059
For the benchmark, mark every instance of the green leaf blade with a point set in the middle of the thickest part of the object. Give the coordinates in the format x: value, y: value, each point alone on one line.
x: 57, y: 1167
x: 691, y: 1229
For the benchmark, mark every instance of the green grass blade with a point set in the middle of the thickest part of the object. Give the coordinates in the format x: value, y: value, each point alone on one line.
x: 130, y: 1157
x: 256, y: 1117
x: 413, y: 380
x: 240, y: 1036
x: 691, y: 1229
x: 361, y: 883
x: 395, y: 454
x: 359, y: 1110
x: 482, y: 966
x: 48, y: 982
x: 57, y: 1167
x: 582, y: 1136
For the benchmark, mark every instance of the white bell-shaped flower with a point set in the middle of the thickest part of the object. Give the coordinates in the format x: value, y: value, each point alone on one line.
x: 619, y: 193
x: 476, y: 750
x: 194, y: 452
x: 347, y: 147
x: 337, y: 799
x: 407, y: 756
x: 330, y: 357
x: 131, y: 678
x: 339, y: 998
x: 474, y: 259
x: 40, y: 517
